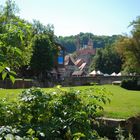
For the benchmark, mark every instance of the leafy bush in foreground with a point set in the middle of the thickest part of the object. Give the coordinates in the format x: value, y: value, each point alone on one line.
x: 55, y: 115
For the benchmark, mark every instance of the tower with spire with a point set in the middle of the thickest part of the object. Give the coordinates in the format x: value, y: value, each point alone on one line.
x: 78, y: 44
x: 90, y: 43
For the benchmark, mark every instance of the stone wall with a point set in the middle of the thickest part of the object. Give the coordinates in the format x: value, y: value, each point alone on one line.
x: 107, y: 127
x: 67, y: 81
x: 78, y: 81
x: 7, y: 84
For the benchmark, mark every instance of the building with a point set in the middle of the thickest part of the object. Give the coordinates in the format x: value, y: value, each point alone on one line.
x: 59, y: 68
x: 70, y: 66
x: 74, y: 68
x: 86, y: 51
x: 78, y: 66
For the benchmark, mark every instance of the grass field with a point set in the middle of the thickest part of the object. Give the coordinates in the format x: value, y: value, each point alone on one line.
x: 124, y: 103
x: 10, y: 94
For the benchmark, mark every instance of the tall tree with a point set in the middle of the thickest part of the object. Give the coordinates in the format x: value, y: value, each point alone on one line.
x: 106, y: 60
x: 15, y: 35
x: 43, y: 54
x: 44, y: 49
x: 129, y: 48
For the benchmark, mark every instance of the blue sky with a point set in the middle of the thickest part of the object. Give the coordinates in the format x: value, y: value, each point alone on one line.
x: 69, y: 17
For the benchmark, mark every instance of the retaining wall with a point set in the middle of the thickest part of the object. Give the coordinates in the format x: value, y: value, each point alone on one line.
x: 7, y: 84
x: 67, y: 81
x: 107, y: 127
x: 78, y: 81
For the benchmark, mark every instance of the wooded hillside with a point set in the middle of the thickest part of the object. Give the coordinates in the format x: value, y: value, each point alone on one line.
x: 69, y: 42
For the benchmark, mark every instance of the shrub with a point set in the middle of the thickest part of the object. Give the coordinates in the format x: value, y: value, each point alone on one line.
x: 58, y: 114
x: 130, y: 84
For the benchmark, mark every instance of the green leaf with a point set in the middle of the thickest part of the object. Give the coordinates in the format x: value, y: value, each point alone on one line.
x: 4, y: 75
x: 1, y: 69
x: 18, y: 51
x: 12, y: 78
x: 31, y: 132
x: 2, y: 58
x: 9, y: 137
x: 12, y: 73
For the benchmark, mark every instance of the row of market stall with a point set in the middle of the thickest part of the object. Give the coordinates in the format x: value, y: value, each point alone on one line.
x: 94, y: 73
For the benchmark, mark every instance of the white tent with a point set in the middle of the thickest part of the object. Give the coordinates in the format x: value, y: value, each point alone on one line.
x: 99, y: 73
x: 93, y: 73
x: 96, y: 73
x: 113, y: 74
x: 119, y: 74
x: 106, y: 74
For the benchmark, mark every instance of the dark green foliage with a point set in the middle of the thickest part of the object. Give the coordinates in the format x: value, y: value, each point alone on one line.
x: 69, y: 42
x: 19, y: 40
x: 15, y: 33
x: 44, y: 50
x: 43, y: 54
x: 106, y: 60
x: 58, y: 114
x: 130, y: 84
x: 129, y: 49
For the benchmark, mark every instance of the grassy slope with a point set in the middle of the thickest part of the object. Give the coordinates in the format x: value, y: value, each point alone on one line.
x: 124, y: 103
x: 10, y: 94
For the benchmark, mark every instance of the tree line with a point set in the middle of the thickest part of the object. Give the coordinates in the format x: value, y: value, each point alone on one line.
x: 69, y: 42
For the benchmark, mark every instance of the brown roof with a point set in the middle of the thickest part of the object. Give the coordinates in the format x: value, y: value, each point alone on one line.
x: 69, y: 60
x: 82, y: 66
x: 79, y: 62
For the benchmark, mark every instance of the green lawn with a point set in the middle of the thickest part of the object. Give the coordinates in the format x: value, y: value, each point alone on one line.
x: 124, y: 103
x: 10, y: 94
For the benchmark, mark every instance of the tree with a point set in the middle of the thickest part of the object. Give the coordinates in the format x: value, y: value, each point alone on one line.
x: 129, y: 48
x: 43, y: 54
x: 14, y: 43
x: 106, y: 60
x: 44, y: 49
x: 15, y: 36
x: 39, y: 28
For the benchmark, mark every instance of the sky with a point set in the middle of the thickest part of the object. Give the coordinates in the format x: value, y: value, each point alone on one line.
x: 70, y: 17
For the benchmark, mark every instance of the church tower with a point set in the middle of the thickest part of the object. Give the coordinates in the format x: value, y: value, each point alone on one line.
x: 90, y: 43
x: 78, y: 45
